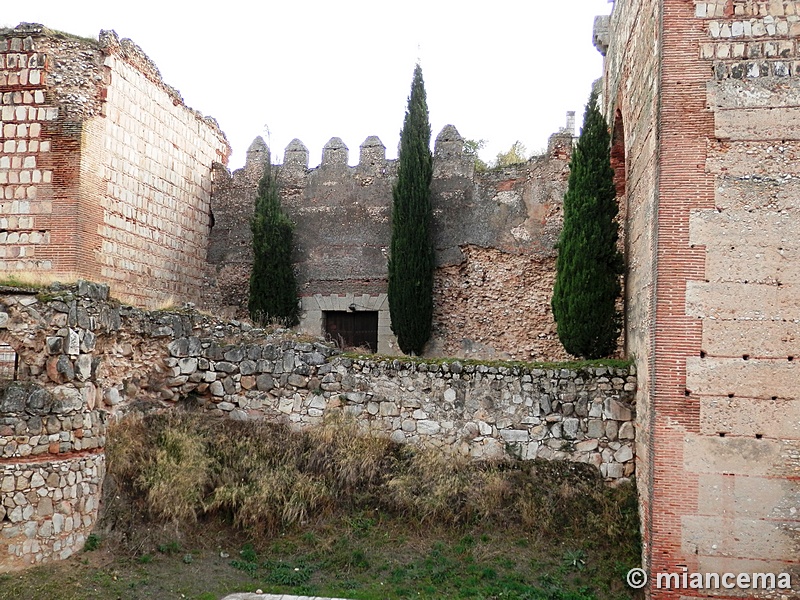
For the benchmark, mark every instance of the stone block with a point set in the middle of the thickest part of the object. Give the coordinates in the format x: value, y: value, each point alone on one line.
x: 752, y: 378
x: 615, y: 410
x: 298, y: 381
x: 428, y: 427
x: 739, y: 455
x: 187, y: 365
x: 248, y: 367
x: 775, y: 339
x: 514, y: 435
x: 624, y: 454
x: 571, y: 428
x: 751, y: 538
x: 750, y: 416
x: 595, y: 429
x: 112, y: 397
x: 626, y: 431
x: 179, y: 348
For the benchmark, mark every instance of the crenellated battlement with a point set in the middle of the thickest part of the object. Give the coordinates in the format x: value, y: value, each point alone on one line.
x: 448, y: 155
x: 342, y: 216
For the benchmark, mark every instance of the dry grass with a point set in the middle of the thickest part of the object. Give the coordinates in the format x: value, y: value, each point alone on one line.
x: 36, y: 279
x: 266, y: 478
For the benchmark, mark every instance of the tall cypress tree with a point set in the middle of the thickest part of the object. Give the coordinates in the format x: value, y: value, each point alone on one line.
x: 273, y: 288
x: 411, y: 259
x: 589, y: 264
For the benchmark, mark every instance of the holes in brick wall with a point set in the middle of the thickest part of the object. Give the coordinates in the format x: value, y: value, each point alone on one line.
x: 790, y: 358
x: 721, y: 434
x: 774, y: 397
x: 759, y: 436
x: 687, y: 392
x: 745, y: 357
x: 730, y: 395
x: 702, y: 353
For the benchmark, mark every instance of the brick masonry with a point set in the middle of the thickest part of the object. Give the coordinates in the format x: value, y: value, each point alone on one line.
x: 105, y: 173
x: 707, y: 92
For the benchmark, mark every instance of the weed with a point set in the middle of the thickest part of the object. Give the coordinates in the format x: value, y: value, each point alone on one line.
x: 169, y: 548
x: 145, y: 559
x: 251, y: 568
x: 575, y: 559
x: 92, y: 543
x: 320, y: 500
x: 288, y: 574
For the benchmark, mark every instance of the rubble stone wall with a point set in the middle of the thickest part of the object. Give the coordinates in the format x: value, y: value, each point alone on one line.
x: 86, y: 360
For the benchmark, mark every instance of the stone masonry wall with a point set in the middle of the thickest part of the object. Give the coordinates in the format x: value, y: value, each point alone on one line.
x: 343, y: 233
x: 105, y: 173
x: 87, y: 359
x: 718, y: 403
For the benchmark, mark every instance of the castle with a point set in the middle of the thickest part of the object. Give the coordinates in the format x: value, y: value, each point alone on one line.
x: 702, y: 99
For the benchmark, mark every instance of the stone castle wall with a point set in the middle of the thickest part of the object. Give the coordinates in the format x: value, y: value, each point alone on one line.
x: 105, y: 173
x: 490, y: 229
x: 710, y: 140
x: 86, y: 360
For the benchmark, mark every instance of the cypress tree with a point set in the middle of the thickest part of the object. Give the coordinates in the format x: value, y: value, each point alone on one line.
x: 411, y: 258
x: 273, y: 288
x: 589, y: 264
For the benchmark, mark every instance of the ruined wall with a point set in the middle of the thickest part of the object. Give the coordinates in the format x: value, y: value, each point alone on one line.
x: 717, y: 406
x: 88, y: 360
x: 105, y: 173
x: 343, y: 235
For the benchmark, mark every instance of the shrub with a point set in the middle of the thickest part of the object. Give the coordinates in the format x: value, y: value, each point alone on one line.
x: 589, y: 265
x: 273, y: 286
x: 411, y: 259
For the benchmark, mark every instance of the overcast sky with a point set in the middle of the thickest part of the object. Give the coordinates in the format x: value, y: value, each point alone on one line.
x: 501, y: 71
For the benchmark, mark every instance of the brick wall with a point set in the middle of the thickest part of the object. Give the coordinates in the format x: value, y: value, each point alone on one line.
x: 105, y: 172
x: 630, y: 91
x: 32, y: 214
x: 717, y: 407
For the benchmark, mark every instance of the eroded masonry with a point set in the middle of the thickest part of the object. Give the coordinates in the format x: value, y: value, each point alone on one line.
x: 494, y: 237
x: 105, y: 173
x: 86, y: 360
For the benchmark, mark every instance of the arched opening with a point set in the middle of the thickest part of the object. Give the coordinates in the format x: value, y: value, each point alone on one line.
x: 618, y: 154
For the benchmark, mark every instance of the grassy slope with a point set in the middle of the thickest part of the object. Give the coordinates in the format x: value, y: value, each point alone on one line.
x: 209, y: 507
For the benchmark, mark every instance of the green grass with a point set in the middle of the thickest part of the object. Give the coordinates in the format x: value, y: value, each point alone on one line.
x: 575, y: 365
x: 396, y: 559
